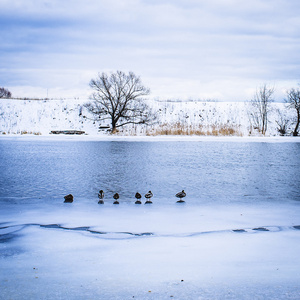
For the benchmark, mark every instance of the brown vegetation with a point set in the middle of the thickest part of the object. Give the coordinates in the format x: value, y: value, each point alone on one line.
x: 180, y: 129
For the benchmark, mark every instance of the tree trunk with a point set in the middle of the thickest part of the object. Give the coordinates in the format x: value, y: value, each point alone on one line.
x: 295, y: 132
x: 113, y: 125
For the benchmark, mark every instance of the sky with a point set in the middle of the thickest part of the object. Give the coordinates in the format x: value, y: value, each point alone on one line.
x: 182, y: 49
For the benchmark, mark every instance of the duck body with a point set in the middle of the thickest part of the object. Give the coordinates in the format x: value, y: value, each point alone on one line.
x: 101, y: 197
x: 116, y: 197
x: 68, y: 198
x: 148, y: 196
x: 181, y: 195
x: 138, y: 196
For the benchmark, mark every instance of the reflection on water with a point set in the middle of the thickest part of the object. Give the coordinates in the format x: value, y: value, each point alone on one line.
x: 207, y: 171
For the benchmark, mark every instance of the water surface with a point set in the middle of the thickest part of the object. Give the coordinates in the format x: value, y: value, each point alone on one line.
x: 210, y: 172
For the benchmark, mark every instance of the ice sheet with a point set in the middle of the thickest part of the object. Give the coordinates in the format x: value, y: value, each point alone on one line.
x: 77, y: 251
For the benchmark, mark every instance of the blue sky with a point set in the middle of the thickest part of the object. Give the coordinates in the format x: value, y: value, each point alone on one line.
x: 217, y: 49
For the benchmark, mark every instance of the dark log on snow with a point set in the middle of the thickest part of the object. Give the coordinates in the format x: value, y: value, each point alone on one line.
x: 71, y: 132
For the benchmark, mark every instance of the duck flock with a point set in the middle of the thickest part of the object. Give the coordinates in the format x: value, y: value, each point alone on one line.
x: 69, y: 198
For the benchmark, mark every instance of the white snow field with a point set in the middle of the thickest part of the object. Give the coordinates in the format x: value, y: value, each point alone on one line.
x: 43, y: 116
x: 79, y: 251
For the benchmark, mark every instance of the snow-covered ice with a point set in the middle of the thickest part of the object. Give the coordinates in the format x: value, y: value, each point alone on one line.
x: 150, y: 252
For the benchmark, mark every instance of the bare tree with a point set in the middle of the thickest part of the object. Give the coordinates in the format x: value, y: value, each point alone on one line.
x: 5, y: 93
x: 261, y: 107
x: 118, y: 97
x: 282, y: 121
x: 293, y: 100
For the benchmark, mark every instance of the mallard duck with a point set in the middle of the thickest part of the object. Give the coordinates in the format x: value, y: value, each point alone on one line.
x: 148, y: 196
x: 181, y: 195
x: 116, y: 197
x: 138, y: 196
x: 101, y: 197
x: 68, y: 198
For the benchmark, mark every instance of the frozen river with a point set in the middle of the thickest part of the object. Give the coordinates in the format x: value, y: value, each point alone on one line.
x: 236, y: 237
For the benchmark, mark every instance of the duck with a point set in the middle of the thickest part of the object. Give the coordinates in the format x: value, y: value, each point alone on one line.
x: 181, y: 195
x: 101, y: 197
x: 68, y: 198
x: 148, y: 196
x: 138, y: 196
x: 116, y: 197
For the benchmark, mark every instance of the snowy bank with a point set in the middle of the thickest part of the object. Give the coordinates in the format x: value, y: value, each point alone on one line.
x: 40, y: 117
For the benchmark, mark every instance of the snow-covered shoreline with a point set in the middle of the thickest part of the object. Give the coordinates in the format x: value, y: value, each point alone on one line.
x: 161, y: 138
x: 40, y: 117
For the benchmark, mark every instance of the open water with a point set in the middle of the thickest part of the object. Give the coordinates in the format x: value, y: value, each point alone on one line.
x: 210, y: 172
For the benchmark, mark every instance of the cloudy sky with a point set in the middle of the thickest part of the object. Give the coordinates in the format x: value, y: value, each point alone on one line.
x: 217, y: 49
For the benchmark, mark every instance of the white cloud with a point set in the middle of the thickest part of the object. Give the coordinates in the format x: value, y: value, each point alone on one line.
x: 181, y: 48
